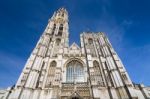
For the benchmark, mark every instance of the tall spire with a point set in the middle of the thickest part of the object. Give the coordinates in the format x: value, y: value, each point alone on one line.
x: 61, y: 13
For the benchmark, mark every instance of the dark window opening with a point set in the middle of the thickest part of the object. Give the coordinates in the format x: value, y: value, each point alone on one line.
x: 60, y: 30
x: 60, y: 33
x: 58, y: 41
x: 54, y: 27
x: 62, y: 14
x: 61, y: 27
x: 124, y: 77
x: 53, y: 64
x: 90, y: 41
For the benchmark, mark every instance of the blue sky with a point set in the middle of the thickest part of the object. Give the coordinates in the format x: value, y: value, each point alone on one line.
x: 125, y: 22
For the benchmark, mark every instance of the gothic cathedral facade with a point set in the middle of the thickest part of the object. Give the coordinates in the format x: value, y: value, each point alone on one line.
x: 56, y: 70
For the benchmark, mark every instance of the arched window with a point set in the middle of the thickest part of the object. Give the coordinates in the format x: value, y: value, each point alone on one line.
x: 96, y: 67
x: 51, y: 74
x: 60, y: 30
x: 97, y: 73
x: 61, y: 26
x: 90, y: 41
x: 53, y: 64
x: 91, y: 47
x: 58, y: 41
x: 95, y: 64
x: 75, y: 72
x: 54, y: 27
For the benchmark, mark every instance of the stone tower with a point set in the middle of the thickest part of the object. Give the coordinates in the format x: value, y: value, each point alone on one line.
x: 56, y: 70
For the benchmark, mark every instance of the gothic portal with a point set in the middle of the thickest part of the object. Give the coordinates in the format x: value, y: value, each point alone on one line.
x: 56, y: 70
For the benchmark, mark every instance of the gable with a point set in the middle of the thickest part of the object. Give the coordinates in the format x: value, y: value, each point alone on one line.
x: 74, y: 46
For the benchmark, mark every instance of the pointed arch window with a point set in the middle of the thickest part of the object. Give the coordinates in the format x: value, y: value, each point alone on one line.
x: 52, y: 68
x: 96, y: 67
x: 75, y: 72
x: 53, y: 64
x: 90, y: 41
x: 124, y: 76
x: 60, y: 30
x: 53, y: 30
x: 61, y: 27
x: 95, y: 63
x: 97, y: 73
x: 91, y: 47
x: 58, y: 41
x: 51, y: 74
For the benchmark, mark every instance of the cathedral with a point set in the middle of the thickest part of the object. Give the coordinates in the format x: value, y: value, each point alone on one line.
x: 55, y: 70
